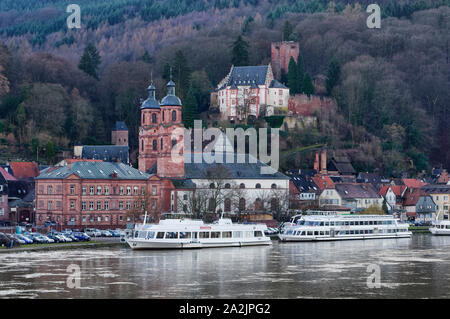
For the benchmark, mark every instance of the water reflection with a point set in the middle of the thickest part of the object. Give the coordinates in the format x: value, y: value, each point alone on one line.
x: 410, y: 268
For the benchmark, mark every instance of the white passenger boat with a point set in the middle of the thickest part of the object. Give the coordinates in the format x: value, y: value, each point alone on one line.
x: 441, y: 227
x: 188, y: 233
x: 342, y: 227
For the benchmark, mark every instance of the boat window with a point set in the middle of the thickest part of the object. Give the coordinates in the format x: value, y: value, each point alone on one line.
x: 203, y: 234
x: 136, y: 234
x: 327, y: 224
x: 171, y: 235
x: 289, y: 232
x: 327, y: 233
x: 142, y: 234
x: 215, y: 234
x: 258, y: 233
x: 322, y: 233
x: 346, y: 223
x: 237, y: 234
x: 160, y: 235
x: 185, y: 234
x: 321, y: 224
x: 226, y: 234
x: 150, y: 234
x: 316, y: 233
x: 352, y: 223
x: 302, y: 233
x: 250, y: 233
x: 310, y: 233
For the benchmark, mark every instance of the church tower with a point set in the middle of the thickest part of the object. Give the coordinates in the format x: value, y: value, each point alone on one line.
x: 158, y: 121
x: 149, y: 131
x: 171, y: 119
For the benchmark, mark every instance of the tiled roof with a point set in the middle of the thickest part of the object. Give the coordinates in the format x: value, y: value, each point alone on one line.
x: 6, y: 175
x: 120, y: 126
x: 107, y: 153
x: 96, y: 170
x: 234, y: 170
x: 246, y: 75
x: 397, y: 189
x: 412, y: 195
x: 436, y: 189
x: 22, y: 170
x: 413, y: 183
x: 304, y: 183
x: 277, y: 85
x: 342, y: 165
x: 323, y: 182
x: 356, y: 191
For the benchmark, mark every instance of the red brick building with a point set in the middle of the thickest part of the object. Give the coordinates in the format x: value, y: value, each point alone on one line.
x: 97, y: 194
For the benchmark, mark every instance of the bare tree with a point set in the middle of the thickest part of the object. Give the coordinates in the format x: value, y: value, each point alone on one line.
x: 144, y: 202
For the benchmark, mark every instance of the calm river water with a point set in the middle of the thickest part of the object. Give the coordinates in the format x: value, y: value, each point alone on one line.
x: 409, y: 268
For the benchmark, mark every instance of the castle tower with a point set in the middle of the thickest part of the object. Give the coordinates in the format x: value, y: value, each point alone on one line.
x: 281, y: 53
x: 119, y: 134
x: 171, y: 119
x: 149, y: 131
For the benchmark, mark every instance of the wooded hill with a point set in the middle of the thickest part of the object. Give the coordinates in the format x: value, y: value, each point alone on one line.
x: 393, y: 90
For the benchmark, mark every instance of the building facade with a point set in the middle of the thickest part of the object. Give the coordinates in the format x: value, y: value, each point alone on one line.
x: 281, y: 53
x: 96, y: 194
x: 250, y: 90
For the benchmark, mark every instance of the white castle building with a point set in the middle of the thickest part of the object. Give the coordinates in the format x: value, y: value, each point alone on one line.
x: 248, y: 90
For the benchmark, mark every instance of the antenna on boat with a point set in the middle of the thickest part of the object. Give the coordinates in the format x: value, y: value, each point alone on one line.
x: 145, y: 219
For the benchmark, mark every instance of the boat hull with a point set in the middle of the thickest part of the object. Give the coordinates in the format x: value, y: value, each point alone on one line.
x: 440, y: 232
x: 160, y: 244
x: 312, y: 238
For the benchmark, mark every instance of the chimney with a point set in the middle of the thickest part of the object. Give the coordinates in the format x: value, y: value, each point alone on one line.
x: 316, y: 162
x: 323, y: 162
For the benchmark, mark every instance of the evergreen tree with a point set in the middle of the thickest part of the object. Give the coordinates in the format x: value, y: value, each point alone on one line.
x: 287, y: 30
x: 166, y: 71
x: 146, y: 57
x: 181, y: 74
x: 292, y: 78
x: 49, y: 151
x: 90, y: 61
x: 308, y: 87
x: 190, y: 109
x: 240, y: 55
x: 283, y: 77
x: 334, y: 72
x: 384, y: 207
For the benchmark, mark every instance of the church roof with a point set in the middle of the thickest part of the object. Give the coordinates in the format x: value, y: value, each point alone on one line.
x: 170, y: 100
x: 250, y: 168
x: 246, y: 75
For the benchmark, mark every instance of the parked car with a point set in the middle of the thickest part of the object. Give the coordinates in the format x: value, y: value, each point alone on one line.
x: 93, y: 232
x: 37, y: 238
x: 24, y: 238
x: 114, y: 233
x: 56, y: 238
x: 82, y: 236
x: 47, y: 240
x: 71, y: 236
x: 105, y: 233
x: 4, y: 240
x: 17, y: 241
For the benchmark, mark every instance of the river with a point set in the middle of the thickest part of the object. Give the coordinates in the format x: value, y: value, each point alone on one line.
x: 408, y: 268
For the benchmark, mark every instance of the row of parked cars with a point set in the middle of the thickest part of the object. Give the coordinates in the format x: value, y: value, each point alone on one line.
x: 67, y: 236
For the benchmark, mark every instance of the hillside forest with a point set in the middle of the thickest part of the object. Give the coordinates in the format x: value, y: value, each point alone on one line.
x: 60, y: 86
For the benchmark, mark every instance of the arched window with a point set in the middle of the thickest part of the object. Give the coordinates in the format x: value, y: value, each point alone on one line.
x: 154, y: 144
x: 258, y: 185
x: 142, y: 145
x: 274, y: 186
x: 227, y: 185
x: 259, y: 204
x: 163, y: 115
x: 153, y: 118
x: 174, y: 116
x: 242, y: 185
x: 212, y: 185
x: 161, y: 143
x: 242, y: 204
x: 274, y: 204
x: 227, y: 204
x: 143, y: 118
x: 174, y: 142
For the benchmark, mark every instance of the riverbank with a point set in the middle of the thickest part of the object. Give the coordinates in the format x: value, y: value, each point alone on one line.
x: 419, y: 229
x: 100, y: 242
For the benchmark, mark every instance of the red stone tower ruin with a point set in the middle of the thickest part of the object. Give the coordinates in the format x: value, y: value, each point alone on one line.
x: 281, y: 53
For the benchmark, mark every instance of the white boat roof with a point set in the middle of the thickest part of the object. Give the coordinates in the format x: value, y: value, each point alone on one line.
x: 352, y: 216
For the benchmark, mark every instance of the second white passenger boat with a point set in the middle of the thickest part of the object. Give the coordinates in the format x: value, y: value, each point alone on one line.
x: 187, y: 233
x: 343, y: 227
x: 440, y: 227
